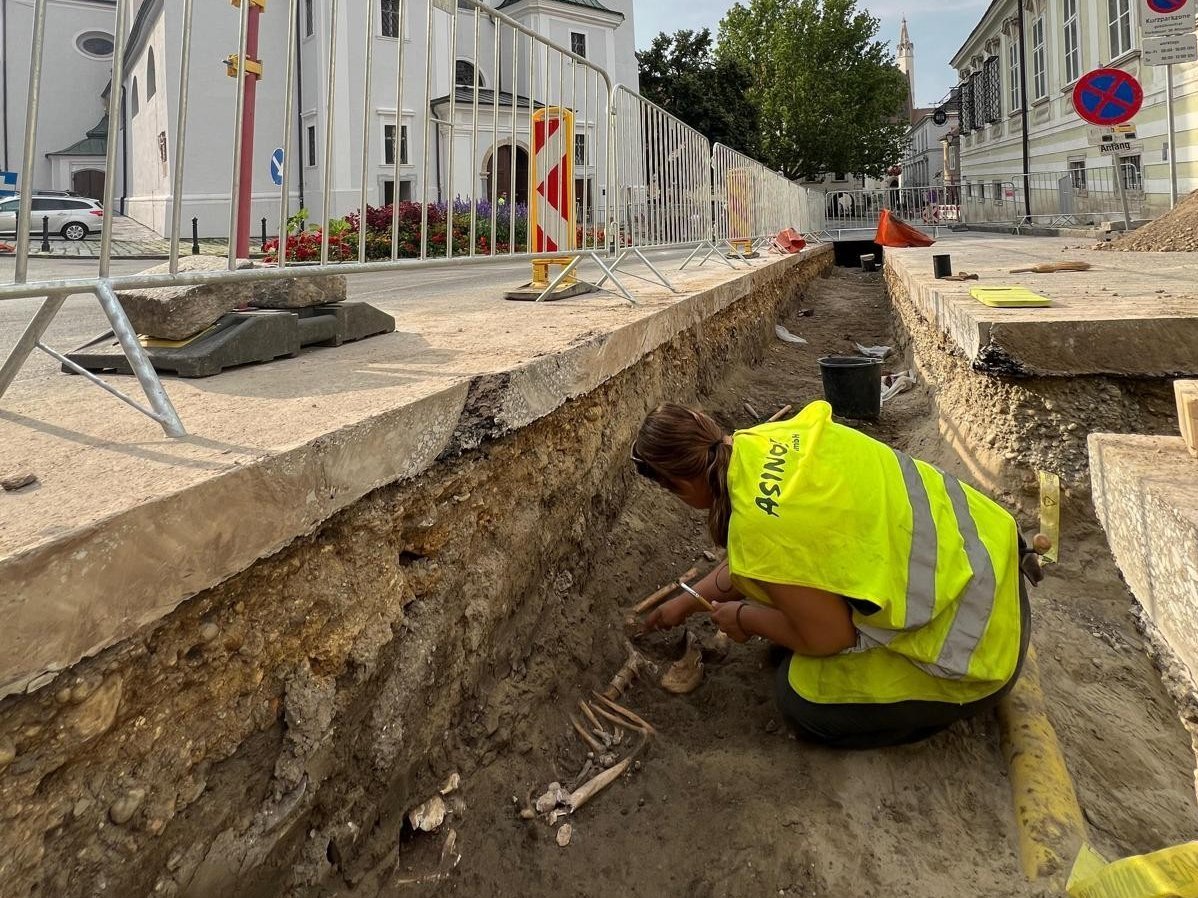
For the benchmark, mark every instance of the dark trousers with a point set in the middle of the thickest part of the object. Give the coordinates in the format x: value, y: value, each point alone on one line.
x: 897, y: 723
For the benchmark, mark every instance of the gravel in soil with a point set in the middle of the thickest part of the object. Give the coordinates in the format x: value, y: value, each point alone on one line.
x: 1174, y: 232
x: 727, y: 803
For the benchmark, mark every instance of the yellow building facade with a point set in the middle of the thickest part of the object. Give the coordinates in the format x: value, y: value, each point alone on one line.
x: 1071, y: 160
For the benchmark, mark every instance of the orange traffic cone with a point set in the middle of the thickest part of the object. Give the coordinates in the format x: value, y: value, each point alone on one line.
x: 893, y: 232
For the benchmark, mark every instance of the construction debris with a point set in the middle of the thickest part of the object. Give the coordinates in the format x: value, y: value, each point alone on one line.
x: 18, y: 481
x: 787, y: 337
x: 1053, y: 267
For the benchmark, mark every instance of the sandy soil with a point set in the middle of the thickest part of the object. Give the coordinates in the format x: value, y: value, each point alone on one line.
x: 1175, y: 231
x: 725, y: 802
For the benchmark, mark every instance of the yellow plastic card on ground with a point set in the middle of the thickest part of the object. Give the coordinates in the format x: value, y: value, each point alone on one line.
x: 1168, y: 873
x: 1009, y: 297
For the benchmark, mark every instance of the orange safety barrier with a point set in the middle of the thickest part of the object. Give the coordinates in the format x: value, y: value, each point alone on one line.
x: 894, y: 232
x: 789, y: 241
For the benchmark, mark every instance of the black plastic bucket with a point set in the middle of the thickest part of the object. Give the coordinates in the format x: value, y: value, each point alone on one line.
x: 852, y: 386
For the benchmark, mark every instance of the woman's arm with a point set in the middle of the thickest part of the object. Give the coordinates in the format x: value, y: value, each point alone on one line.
x: 808, y: 621
x: 715, y: 587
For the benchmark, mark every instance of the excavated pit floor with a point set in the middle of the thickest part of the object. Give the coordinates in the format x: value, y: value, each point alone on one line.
x: 726, y: 803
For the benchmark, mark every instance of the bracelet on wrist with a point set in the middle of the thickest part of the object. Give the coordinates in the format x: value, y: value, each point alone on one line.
x: 740, y: 626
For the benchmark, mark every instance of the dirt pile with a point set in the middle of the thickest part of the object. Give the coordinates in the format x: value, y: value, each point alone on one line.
x: 1174, y: 232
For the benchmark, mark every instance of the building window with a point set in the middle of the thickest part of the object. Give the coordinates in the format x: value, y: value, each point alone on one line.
x: 977, y: 89
x: 1132, y: 172
x: 578, y: 44
x: 389, y: 145
x: 992, y: 81
x: 1119, y: 23
x: 96, y: 44
x: 1077, y: 174
x: 311, y: 131
x: 580, y: 150
x: 1073, y: 49
x: 151, y: 75
x: 136, y: 101
x: 1013, y: 73
x: 966, y: 99
x: 309, y: 24
x: 390, y: 12
x: 1039, y: 60
x: 466, y: 75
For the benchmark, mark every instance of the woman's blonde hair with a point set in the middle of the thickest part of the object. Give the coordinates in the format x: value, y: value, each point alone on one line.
x: 678, y: 443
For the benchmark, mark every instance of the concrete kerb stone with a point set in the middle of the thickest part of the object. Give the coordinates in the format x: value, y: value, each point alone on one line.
x: 89, y: 588
x: 1114, y: 322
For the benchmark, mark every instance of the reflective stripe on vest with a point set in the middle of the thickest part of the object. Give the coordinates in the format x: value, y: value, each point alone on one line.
x: 977, y: 602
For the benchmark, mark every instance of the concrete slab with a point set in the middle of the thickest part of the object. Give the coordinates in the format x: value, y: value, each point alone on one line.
x: 1133, y: 314
x: 126, y: 524
x: 1146, y: 495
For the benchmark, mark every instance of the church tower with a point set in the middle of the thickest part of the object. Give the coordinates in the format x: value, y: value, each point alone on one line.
x: 906, y: 63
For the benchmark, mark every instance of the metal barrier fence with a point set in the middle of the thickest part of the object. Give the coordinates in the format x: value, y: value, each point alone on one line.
x: 1077, y: 196
x: 507, y: 122
x: 861, y: 210
x: 751, y: 202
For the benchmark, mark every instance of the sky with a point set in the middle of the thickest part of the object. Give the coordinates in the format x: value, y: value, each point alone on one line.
x: 937, y: 28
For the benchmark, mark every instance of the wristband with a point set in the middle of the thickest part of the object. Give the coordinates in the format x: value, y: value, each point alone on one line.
x: 739, y: 625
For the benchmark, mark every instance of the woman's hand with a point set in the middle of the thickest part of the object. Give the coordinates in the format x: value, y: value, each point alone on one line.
x: 725, y: 617
x: 671, y: 614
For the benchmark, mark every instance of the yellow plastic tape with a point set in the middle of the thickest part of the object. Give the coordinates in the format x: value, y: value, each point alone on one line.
x: 1050, y: 512
x: 1168, y: 873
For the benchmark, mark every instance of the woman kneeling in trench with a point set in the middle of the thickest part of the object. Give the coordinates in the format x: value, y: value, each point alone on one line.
x: 896, y: 587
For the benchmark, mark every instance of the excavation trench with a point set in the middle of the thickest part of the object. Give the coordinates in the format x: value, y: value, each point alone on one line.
x: 270, y: 736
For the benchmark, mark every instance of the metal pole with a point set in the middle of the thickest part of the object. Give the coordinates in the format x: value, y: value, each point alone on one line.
x: 1027, y: 154
x: 24, y: 221
x: 249, y: 102
x: 264, y: 235
x: 45, y: 247
x: 1172, y: 136
x: 29, y: 340
x: 195, y: 236
x: 1122, y: 192
x: 164, y: 411
x: 181, y: 135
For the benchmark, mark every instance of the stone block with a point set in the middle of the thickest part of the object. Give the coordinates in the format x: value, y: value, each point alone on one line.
x: 1187, y: 412
x: 1146, y: 496
x: 298, y: 293
x: 176, y: 313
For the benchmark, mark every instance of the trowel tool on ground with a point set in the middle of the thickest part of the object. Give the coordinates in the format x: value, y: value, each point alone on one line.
x: 1053, y: 267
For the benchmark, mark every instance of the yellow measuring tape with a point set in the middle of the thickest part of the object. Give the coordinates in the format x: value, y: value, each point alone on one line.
x: 1050, y: 513
x: 1168, y: 873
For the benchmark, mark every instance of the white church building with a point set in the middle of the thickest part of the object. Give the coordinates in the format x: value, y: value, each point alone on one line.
x: 599, y: 30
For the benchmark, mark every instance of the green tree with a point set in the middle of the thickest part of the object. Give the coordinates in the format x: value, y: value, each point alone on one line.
x: 682, y: 74
x: 829, y: 94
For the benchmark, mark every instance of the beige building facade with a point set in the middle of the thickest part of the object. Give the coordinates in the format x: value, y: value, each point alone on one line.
x: 1063, y: 40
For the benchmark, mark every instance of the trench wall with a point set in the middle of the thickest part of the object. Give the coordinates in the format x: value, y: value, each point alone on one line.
x: 1005, y: 429
x: 267, y: 736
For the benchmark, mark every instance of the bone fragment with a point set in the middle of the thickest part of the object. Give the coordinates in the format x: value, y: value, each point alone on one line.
x: 594, y: 744
x: 590, y: 789
x: 686, y: 674
x: 638, y: 722
x: 655, y: 599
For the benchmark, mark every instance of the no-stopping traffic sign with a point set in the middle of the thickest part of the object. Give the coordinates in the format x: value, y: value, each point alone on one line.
x: 1107, y: 97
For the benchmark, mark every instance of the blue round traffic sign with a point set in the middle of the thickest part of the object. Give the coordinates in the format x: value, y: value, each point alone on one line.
x: 1107, y: 97
x: 1164, y: 7
x: 276, y: 166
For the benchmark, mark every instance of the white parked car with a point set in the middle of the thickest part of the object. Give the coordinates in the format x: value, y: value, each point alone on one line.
x: 71, y: 217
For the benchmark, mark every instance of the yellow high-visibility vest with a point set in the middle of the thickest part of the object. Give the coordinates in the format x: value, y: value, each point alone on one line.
x: 818, y: 504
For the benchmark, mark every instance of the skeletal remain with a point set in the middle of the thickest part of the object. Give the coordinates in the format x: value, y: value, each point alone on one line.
x: 595, y: 745
x: 589, y: 714
x: 655, y: 599
x: 450, y: 858
x: 590, y: 789
x: 452, y: 783
x: 552, y: 797
x: 752, y: 411
x: 602, y: 735
x: 608, y: 760
x: 717, y: 646
x: 563, y: 834
x: 779, y: 414
x: 429, y: 815
x: 612, y: 718
x: 637, y: 722
x: 686, y: 674
x: 636, y: 664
